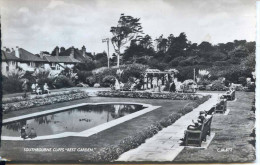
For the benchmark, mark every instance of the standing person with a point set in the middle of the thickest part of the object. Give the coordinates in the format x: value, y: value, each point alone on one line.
x: 159, y: 85
x: 117, y: 85
x: 25, y: 88
x: 23, y: 133
x: 154, y: 82
x: 33, y: 88
x: 172, y: 87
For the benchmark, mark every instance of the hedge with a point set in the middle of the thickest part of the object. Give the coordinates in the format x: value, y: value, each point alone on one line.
x: 150, y: 95
x: 112, y: 152
x: 20, y: 98
x: 30, y: 103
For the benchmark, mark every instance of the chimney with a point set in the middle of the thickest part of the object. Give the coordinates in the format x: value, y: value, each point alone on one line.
x: 41, y: 54
x: 72, y: 52
x: 57, y: 51
x: 17, y: 53
x: 84, y: 51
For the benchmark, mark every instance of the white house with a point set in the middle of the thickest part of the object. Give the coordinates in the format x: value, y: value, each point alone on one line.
x: 27, y: 61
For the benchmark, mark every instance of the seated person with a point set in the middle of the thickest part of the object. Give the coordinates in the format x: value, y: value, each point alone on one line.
x: 38, y: 90
x: 196, y: 126
x: 46, y: 88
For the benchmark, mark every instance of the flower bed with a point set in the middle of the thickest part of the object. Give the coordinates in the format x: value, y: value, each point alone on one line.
x: 110, y: 153
x: 20, y: 98
x: 150, y: 95
x: 49, y: 99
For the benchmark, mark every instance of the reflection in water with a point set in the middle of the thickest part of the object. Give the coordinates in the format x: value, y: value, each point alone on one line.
x: 73, y: 120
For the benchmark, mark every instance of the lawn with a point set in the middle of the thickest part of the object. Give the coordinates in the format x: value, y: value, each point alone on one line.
x: 231, y: 142
x: 14, y: 150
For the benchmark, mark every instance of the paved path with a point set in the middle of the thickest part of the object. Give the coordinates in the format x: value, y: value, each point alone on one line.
x: 165, y: 146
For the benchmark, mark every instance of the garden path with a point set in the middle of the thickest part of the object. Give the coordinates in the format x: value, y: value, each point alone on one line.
x: 165, y: 145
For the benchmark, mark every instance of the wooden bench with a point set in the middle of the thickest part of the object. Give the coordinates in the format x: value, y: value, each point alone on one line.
x: 221, y: 107
x: 195, y: 137
x: 230, y: 95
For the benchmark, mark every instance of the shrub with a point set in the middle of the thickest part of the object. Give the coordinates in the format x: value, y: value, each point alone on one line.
x: 83, y: 75
x: 242, y: 80
x: 251, y: 87
x: 217, y: 85
x: 12, y: 83
x: 91, y: 80
x: 107, y: 81
x: 62, y: 82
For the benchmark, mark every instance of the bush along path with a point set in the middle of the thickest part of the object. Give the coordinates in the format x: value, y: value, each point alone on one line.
x: 15, y: 104
x: 149, y: 95
x: 165, y: 146
x: 112, y: 153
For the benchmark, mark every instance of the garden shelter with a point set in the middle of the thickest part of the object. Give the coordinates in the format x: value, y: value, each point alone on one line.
x: 157, y: 77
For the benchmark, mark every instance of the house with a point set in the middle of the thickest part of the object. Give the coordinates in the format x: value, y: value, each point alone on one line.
x: 20, y: 58
x: 9, y: 62
x: 27, y: 61
x: 80, y: 55
x: 58, y: 63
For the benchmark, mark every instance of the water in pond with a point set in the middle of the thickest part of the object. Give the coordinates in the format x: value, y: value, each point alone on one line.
x: 72, y: 120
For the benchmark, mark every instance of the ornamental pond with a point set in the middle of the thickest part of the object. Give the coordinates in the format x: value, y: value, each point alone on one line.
x: 72, y: 120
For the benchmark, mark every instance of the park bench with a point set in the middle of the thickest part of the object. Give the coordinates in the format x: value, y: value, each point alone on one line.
x: 195, y: 137
x: 221, y: 107
x: 230, y: 95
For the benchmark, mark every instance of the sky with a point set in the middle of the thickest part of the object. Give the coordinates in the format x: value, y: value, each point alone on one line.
x: 41, y: 25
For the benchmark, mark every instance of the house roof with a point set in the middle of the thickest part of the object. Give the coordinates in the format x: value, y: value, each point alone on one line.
x: 77, y: 54
x: 8, y: 56
x: 61, y: 59
x: 27, y: 56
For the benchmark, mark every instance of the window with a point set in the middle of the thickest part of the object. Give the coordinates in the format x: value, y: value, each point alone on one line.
x: 13, y: 62
x: 32, y: 64
x: 7, y: 68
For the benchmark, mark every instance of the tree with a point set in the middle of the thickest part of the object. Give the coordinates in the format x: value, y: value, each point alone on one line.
x: 146, y: 42
x: 177, y: 45
x: 205, y: 46
x: 127, y: 29
x: 162, y: 44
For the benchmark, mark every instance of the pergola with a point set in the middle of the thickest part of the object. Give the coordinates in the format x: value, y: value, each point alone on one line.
x: 165, y: 76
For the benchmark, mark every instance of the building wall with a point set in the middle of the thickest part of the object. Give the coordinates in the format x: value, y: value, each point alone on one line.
x: 30, y: 66
x: 8, y: 67
x: 56, y: 68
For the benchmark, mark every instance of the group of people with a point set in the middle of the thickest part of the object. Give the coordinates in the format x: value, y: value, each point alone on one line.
x: 28, y: 133
x: 37, y: 89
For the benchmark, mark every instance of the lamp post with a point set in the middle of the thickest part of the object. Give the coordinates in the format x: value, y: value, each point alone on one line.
x: 107, y: 40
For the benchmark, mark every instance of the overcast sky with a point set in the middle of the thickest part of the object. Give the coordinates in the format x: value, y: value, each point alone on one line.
x: 38, y: 25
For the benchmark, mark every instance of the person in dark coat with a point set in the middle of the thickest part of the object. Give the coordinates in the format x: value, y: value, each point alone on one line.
x: 23, y: 133
x: 172, y: 87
